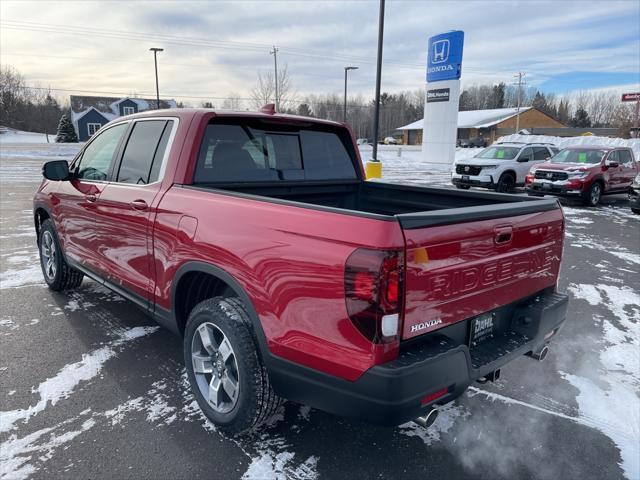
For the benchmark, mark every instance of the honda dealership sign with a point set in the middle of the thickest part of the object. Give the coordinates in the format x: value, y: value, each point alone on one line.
x: 444, y: 67
x: 444, y: 61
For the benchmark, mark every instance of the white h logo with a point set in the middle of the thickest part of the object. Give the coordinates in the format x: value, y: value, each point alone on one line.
x: 440, y: 52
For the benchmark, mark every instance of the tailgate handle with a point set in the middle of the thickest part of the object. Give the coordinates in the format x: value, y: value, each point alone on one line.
x: 503, y: 234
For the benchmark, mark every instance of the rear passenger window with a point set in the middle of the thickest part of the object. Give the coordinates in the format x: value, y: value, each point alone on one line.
x: 143, y: 155
x: 625, y: 157
x: 540, y: 153
x: 526, y: 155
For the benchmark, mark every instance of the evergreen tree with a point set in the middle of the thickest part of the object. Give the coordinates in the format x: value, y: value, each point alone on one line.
x: 66, y: 132
x: 304, y: 110
x: 563, y: 112
x: 465, y: 101
x: 497, y: 95
x: 581, y: 119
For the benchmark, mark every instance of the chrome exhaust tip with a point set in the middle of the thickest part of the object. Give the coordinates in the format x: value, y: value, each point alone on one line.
x: 427, y: 420
x: 541, y: 354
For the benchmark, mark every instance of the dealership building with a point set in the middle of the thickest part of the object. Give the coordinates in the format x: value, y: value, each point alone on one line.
x: 492, y: 124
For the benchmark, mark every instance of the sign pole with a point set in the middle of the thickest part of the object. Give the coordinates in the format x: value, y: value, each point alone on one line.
x: 634, y: 97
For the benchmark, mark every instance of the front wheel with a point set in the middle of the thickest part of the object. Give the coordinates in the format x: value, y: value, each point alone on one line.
x: 463, y: 187
x: 58, y: 275
x: 506, y: 183
x: 592, y: 197
x: 225, y: 371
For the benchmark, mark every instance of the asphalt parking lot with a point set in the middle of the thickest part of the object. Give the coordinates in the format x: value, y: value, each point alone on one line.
x: 91, y: 388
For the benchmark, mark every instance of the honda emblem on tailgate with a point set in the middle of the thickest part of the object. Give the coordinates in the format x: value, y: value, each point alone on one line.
x: 421, y: 326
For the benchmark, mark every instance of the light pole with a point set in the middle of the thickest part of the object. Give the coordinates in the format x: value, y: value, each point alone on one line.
x: 376, y: 111
x: 274, y: 52
x: 344, y: 110
x: 155, y: 62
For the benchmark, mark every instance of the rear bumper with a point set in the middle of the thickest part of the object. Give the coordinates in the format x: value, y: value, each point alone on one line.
x: 391, y: 394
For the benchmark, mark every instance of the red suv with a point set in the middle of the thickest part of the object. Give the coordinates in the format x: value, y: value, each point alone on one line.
x: 584, y: 172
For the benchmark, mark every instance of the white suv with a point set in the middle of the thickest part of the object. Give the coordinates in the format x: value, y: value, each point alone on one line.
x: 502, y: 166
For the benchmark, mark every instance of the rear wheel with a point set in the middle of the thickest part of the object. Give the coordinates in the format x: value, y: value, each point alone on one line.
x: 57, y: 273
x: 225, y: 371
x: 592, y: 196
x: 506, y: 183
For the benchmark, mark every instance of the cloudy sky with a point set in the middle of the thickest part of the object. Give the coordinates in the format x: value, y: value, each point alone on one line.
x: 215, y: 48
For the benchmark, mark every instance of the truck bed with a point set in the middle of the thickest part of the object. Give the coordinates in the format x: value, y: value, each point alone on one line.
x: 413, y: 207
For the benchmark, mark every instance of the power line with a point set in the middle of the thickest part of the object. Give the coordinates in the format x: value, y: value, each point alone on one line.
x: 191, y: 41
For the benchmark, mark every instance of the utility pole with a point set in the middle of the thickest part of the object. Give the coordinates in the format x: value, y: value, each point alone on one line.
x: 155, y: 62
x: 376, y: 110
x: 274, y: 52
x: 344, y: 110
x: 519, y: 76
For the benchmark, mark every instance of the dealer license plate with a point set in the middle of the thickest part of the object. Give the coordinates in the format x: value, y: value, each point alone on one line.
x: 465, y: 177
x: 481, y: 329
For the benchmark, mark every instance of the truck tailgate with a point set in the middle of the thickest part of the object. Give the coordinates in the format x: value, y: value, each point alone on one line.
x: 460, y: 270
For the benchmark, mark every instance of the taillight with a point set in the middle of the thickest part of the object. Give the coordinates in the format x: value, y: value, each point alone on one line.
x: 373, y: 281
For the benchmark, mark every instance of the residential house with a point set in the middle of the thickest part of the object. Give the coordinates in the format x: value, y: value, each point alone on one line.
x: 89, y: 114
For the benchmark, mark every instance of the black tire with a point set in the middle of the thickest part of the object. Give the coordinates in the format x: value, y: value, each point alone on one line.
x: 57, y: 274
x: 636, y: 211
x: 255, y: 400
x: 506, y: 183
x: 592, y: 197
x: 463, y: 187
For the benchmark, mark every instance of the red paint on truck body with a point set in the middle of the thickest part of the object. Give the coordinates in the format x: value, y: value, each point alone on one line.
x: 290, y: 260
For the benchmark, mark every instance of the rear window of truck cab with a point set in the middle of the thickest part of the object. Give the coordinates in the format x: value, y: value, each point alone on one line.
x: 261, y: 152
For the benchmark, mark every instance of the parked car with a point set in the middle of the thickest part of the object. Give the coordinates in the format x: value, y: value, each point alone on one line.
x: 472, y: 142
x: 634, y: 195
x: 363, y: 141
x: 502, y: 166
x: 585, y: 173
x: 390, y: 141
x: 256, y: 238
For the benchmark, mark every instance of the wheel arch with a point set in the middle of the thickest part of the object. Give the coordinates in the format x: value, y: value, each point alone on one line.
x: 40, y: 214
x: 223, y: 283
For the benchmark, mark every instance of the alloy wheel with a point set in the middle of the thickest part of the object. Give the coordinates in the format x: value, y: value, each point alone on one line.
x: 215, y: 367
x: 49, y: 255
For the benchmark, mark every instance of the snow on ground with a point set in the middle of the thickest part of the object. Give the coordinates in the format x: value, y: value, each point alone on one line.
x: 405, y: 164
x: 9, y: 135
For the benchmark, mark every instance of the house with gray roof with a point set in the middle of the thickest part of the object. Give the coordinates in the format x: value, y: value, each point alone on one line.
x: 89, y: 114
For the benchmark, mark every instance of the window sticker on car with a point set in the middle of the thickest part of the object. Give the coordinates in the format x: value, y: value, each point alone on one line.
x: 582, y: 157
x: 500, y: 153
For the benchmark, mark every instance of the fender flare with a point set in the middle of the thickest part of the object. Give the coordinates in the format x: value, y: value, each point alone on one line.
x: 41, y: 206
x: 230, y: 280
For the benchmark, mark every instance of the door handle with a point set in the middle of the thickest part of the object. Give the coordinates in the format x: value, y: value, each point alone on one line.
x: 139, y: 205
x: 91, y: 197
x: 503, y: 234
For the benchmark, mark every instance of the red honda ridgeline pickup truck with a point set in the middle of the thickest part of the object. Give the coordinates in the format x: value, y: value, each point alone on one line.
x: 256, y: 238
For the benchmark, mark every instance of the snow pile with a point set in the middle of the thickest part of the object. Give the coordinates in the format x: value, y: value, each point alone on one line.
x: 589, y: 140
x: 9, y: 135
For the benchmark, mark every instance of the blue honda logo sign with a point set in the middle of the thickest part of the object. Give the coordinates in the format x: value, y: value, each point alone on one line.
x: 444, y: 61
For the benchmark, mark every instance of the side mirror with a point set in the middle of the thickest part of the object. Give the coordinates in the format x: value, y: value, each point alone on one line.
x: 611, y: 163
x: 56, y: 170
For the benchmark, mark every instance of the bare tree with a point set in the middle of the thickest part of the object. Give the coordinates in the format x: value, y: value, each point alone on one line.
x: 264, y: 91
x: 233, y: 102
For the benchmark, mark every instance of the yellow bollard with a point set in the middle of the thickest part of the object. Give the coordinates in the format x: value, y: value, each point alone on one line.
x: 373, y: 169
